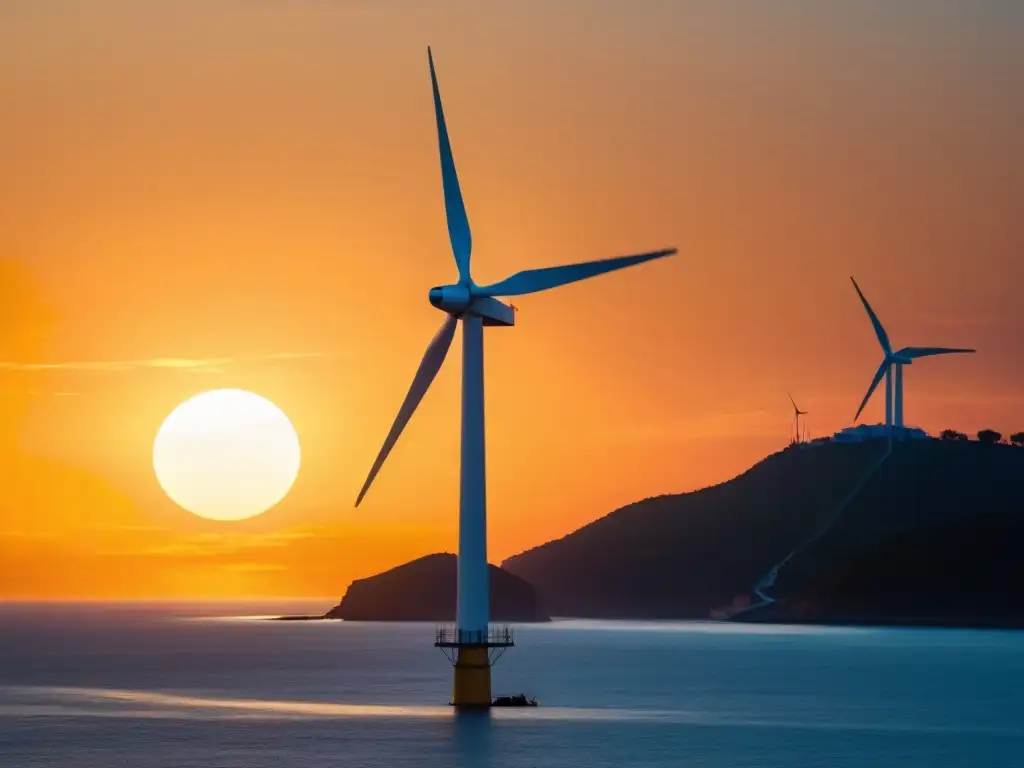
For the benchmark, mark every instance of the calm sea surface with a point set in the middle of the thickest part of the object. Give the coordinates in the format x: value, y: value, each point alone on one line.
x: 215, y: 686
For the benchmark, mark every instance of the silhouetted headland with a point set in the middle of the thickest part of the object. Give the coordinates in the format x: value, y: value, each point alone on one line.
x: 957, y: 572
x: 933, y: 536
x: 425, y: 590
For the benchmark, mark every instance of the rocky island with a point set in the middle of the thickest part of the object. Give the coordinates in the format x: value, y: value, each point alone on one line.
x: 425, y: 590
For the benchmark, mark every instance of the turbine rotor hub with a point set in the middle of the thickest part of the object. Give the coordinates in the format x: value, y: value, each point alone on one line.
x: 453, y: 299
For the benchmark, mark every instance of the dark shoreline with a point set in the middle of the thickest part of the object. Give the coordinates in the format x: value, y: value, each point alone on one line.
x: 892, y: 623
x: 877, y: 623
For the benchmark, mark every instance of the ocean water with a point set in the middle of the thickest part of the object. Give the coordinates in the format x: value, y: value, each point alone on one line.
x: 215, y: 686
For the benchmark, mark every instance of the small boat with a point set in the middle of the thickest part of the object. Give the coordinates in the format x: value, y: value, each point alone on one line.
x: 514, y: 701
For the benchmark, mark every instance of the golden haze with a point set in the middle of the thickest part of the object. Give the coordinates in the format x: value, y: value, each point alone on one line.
x: 232, y: 193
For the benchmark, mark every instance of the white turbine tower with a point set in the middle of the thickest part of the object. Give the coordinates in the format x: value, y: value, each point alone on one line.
x: 896, y: 360
x: 474, y: 306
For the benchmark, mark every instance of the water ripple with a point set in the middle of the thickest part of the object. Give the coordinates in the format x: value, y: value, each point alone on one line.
x: 66, y: 702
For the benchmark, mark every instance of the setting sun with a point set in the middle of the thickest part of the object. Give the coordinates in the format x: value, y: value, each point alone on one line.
x: 227, y: 454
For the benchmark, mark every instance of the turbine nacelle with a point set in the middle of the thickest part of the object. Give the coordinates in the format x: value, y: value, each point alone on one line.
x: 453, y: 299
x: 457, y: 300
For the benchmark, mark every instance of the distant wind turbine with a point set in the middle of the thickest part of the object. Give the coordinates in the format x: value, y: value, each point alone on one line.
x: 475, y: 306
x: 797, y: 413
x: 895, y: 360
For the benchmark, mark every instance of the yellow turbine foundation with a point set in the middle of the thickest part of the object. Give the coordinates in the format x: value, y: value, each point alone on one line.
x: 472, y: 684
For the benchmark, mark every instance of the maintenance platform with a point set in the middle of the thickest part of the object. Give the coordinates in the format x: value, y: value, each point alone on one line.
x: 472, y: 653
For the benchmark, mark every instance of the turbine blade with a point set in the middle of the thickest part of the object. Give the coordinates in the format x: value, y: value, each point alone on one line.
x: 429, y: 366
x: 534, y: 280
x: 793, y: 402
x: 454, y: 207
x: 916, y: 352
x: 874, y: 383
x: 883, y: 337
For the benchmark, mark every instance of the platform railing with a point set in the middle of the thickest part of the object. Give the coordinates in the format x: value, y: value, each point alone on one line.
x: 492, y: 637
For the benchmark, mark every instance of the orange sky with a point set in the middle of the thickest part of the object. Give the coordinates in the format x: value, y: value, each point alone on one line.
x: 207, y: 193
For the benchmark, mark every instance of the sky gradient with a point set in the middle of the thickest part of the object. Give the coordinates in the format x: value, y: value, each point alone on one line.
x: 246, y: 193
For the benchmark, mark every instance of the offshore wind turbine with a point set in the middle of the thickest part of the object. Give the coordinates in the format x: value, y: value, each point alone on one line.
x: 894, y: 360
x: 797, y: 413
x: 474, y: 306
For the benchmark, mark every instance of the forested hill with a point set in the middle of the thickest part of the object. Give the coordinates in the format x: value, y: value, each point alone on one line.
x: 684, y: 555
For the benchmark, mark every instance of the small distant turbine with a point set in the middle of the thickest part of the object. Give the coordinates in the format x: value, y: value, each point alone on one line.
x: 797, y: 413
x: 896, y: 360
x: 475, y: 306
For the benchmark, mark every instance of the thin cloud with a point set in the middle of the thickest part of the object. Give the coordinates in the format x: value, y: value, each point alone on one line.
x: 212, y: 545
x: 131, y: 529
x: 17, y: 534
x: 201, y: 364
x: 324, y: 7
x: 746, y: 423
x: 254, y: 567
x: 969, y: 321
